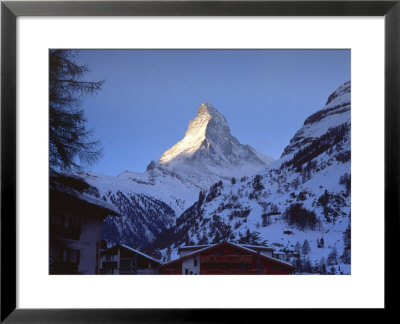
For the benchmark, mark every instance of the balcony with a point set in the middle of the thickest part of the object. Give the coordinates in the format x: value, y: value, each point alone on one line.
x: 109, y: 265
x: 225, y: 259
x: 72, y: 232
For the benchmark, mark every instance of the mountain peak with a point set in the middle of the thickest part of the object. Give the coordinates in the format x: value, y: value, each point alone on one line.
x: 208, y: 143
x: 205, y: 109
x: 208, y: 120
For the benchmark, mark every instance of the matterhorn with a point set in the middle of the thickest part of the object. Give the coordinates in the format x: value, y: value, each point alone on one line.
x: 210, y: 151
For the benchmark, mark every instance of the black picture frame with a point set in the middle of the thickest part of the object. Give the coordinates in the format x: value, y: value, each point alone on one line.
x: 10, y: 10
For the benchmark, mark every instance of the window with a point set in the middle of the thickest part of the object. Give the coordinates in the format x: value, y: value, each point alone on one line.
x: 186, y: 271
x: 195, y: 262
x: 68, y: 222
x: 66, y: 226
x: 74, y: 256
x: 65, y: 255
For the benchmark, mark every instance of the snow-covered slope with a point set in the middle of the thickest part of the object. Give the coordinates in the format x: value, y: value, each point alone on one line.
x: 299, y: 203
x: 208, y: 150
x: 148, y: 202
x: 157, y: 181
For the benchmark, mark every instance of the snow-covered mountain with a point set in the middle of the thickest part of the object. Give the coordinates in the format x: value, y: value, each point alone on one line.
x: 148, y: 202
x: 297, y: 204
x: 158, y: 182
x: 209, y: 151
x: 207, y: 154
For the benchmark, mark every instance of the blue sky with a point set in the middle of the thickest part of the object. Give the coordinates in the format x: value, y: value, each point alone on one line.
x: 149, y: 96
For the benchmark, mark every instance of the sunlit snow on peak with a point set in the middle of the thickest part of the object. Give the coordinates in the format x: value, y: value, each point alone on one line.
x: 194, y: 137
x: 208, y: 141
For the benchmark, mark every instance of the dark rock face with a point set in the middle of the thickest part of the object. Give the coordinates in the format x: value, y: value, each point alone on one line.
x: 151, y: 166
x: 327, y: 112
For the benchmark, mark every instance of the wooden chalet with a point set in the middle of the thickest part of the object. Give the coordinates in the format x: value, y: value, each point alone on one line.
x: 75, y: 225
x: 122, y: 259
x: 226, y: 258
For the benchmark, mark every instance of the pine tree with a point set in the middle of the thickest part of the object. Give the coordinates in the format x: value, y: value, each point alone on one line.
x: 345, y: 180
x: 297, y: 248
x: 322, y: 265
x: 201, y: 198
x: 316, y: 268
x: 306, y: 247
x: 257, y: 183
x: 265, y: 220
x: 347, y: 237
x: 308, y: 266
x: 294, y: 264
x: 169, y: 252
x: 346, y: 256
x: 217, y: 238
x: 332, y: 257
x: 296, y: 183
x: 71, y: 144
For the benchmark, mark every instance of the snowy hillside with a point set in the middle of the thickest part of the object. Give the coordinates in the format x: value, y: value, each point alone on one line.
x: 157, y: 181
x: 299, y: 204
x: 149, y: 202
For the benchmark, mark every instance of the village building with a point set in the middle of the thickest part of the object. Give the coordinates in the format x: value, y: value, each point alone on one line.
x: 75, y: 225
x: 122, y: 259
x: 226, y: 258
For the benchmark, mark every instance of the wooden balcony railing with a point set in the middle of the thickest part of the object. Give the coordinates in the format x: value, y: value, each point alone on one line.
x: 225, y: 259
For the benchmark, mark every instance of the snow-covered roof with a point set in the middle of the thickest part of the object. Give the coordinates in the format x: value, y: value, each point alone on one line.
x: 200, y: 250
x: 265, y: 256
x: 57, y: 184
x: 189, y: 247
x: 132, y: 250
x: 141, y: 253
x: 196, y: 252
x: 259, y: 247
